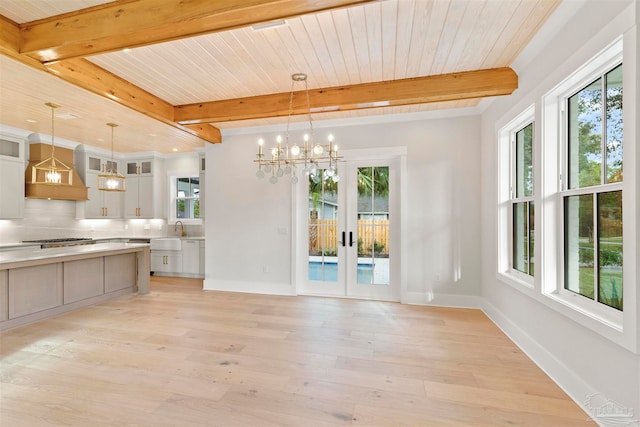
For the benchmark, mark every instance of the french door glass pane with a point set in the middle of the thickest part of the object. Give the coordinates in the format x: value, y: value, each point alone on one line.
x: 524, y: 161
x: 614, y: 124
x: 579, y: 244
x: 585, y: 129
x: 323, y: 229
x: 610, y: 248
x: 373, y: 225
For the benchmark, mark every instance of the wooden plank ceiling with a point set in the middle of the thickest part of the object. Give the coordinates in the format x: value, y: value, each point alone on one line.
x: 183, y: 70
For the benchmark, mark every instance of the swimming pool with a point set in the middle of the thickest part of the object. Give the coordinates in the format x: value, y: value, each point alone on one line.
x: 365, y: 271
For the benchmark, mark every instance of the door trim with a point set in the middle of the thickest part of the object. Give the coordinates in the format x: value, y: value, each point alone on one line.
x: 298, y: 220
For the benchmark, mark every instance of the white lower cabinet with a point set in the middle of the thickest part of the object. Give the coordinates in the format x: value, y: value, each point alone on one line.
x: 191, y: 256
x: 202, y: 258
x: 166, y: 261
x: 187, y: 262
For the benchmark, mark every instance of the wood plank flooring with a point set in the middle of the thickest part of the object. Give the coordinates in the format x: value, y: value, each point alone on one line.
x: 181, y: 356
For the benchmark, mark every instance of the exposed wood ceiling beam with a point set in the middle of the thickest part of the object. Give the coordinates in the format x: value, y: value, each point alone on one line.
x: 10, y: 40
x: 10, y: 43
x: 89, y: 76
x: 444, y: 87
x: 132, y: 23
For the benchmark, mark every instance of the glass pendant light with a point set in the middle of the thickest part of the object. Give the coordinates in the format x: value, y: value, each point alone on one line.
x: 52, y: 171
x: 110, y: 179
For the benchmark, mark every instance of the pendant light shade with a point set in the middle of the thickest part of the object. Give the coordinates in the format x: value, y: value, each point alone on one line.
x: 52, y: 171
x: 110, y: 179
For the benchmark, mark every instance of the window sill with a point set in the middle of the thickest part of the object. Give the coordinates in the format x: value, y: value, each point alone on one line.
x: 186, y: 221
x: 580, y: 306
x: 517, y: 280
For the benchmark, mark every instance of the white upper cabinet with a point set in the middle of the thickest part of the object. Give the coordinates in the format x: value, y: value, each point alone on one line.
x: 12, y: 169
x: 143, y: 196
x: 101, y: 204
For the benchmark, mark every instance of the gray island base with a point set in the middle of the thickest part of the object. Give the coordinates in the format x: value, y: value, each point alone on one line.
x: 39, y: 283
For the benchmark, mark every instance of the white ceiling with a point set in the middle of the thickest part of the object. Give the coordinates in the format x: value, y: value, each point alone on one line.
x: 378, y: 41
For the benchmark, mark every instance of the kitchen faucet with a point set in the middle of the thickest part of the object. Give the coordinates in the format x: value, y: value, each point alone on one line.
x: 175, y: 228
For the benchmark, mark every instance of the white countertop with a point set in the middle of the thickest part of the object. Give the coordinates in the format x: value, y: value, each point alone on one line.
x: 26, y: 255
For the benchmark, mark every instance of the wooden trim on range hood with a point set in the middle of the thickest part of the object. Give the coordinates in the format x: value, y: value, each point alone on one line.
x: 76, y: 191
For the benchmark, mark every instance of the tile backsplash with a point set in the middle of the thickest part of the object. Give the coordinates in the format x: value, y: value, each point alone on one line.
x: 49, y: 219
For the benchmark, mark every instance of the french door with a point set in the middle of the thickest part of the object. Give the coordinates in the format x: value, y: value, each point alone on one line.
x: 349, y: 231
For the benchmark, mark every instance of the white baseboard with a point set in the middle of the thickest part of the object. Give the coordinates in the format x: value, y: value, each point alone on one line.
x: 249, y: 287
x: 442, y: 300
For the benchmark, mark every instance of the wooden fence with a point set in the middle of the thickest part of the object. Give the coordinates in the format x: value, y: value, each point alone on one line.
x: 371, y: 235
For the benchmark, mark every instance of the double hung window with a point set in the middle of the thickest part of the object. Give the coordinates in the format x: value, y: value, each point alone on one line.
x: 187, y: 201
x: 516, y: 212
x: 592, y: 191
x: 522, y: 203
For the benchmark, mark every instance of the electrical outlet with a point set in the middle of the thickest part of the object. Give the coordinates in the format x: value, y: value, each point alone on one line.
x: 147, y: 227
x: 437, y: 277
x: 265, y: 268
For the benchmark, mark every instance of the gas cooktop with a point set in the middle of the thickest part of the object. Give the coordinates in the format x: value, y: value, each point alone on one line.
x: 66, y: 241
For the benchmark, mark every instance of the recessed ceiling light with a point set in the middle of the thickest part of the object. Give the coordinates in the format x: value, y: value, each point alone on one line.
x: 152, y: 134
x: 323, y: 109
x: 374, y: 104
x: 32, y: 121
x: 269, y: 25
x: 175, y: 149
x: 67, y: 116
x: 126, y: 49
x: 100, y: 139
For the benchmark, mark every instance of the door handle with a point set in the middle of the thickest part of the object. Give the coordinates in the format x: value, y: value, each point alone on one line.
x: 350, y: 238
x: 343, y: 242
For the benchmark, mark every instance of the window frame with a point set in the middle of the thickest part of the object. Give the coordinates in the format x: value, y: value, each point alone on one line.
x: 605, y: 313
x: 515, y: 199
x: 555, y: 188
x: 173, y: 197
x: 507, y: 198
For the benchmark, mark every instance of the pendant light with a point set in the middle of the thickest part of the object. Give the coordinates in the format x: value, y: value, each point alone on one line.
x: 51, y: 171
x: 310, y: 155
x: 110, y: 179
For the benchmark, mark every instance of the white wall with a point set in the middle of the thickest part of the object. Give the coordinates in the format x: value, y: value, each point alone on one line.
x: 580, y: 360
x: 244, y: 213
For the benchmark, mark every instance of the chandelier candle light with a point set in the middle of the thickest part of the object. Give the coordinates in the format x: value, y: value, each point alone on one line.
x: 51, y: 170
x: 110, y: 179
x: 313, y: 157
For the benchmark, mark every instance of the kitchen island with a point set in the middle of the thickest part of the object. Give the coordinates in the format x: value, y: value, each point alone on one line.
x: 40, y: 283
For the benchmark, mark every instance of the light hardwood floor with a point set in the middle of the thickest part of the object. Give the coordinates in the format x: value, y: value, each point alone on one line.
x: 180, y: 356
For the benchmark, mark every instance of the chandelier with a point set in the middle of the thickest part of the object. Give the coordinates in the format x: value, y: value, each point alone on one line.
x: 110, y: 179
x: 51, y: 170
x: 318, y: 162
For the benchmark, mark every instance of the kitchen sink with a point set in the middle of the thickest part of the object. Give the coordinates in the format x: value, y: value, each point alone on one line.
x: 166, y: 244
